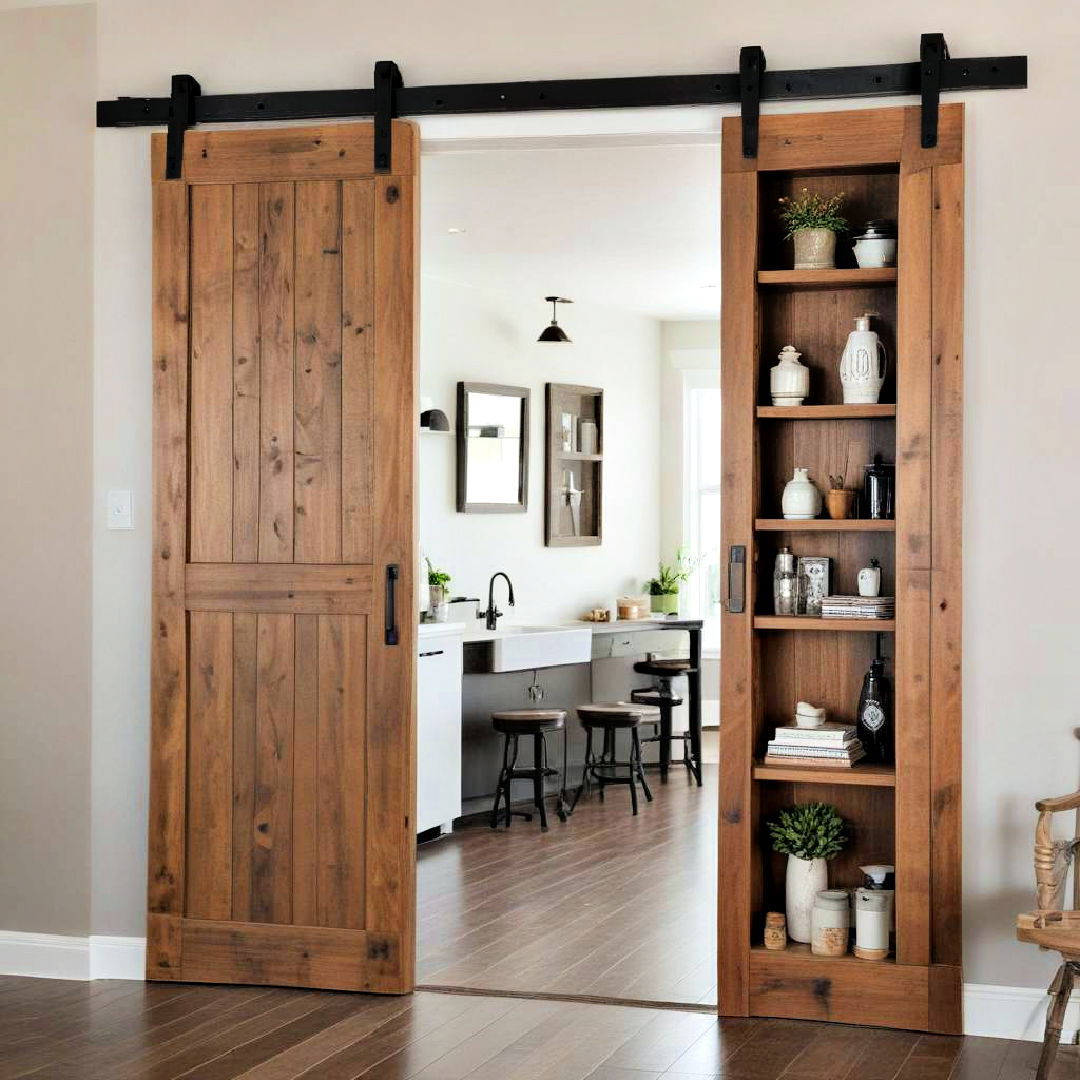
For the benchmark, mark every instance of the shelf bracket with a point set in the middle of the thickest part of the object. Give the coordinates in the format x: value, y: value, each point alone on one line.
x: 388, y: 82
x: 185, y: 92
x: 751, y: 69
x: 933, y: 52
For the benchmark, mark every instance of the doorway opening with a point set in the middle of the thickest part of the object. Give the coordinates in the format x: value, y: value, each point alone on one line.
x: 572, y: 468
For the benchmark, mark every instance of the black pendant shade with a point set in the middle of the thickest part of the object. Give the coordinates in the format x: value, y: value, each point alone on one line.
x: 554, y: 332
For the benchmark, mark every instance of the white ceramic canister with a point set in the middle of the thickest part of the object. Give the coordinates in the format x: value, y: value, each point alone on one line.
x: 873, y: 914
x: 789, y: 381
x: 831, y: 923
x: 869, y: 580
x: 801, y: 500
x: 876, y: 245
x: 805, y: 879
x: 863, y: 364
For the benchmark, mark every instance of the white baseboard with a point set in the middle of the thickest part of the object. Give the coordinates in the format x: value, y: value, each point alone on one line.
x: 53, y: 956
x: 1013, y: 1012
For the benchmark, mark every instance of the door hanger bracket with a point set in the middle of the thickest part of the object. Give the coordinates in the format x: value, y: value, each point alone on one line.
x: 751, y: 69
x: 185, y: 92
x: 387, y: 83
x: 933, y: 52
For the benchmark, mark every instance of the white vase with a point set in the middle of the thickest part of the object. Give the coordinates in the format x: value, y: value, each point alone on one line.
x: 815, y: 249
x: 869, y: 581
x: 438, y: 610
x: 801, y: 500
x: 789, y: 381
x: 862, y: 365
x: 805, y: 879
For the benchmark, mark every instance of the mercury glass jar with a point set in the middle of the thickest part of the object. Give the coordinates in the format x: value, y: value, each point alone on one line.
x: 785, y: 583
x: 830, y: 923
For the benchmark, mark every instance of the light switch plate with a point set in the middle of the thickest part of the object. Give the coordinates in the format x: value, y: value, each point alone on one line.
x: 120, y: 515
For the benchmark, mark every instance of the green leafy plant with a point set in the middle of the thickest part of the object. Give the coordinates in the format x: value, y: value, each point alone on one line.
x: 437, y: 579
x: 808, y: 210
x: 672, y: 575
x: 809, y: 831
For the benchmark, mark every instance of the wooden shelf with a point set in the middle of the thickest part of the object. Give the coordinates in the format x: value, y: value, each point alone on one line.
x: 857, y: 776
x: 576, y: 455
x: 829, y: 279
x: 816, y: 622
x: 825, y: 412
x: 824, y: 525
x: 797, y: 950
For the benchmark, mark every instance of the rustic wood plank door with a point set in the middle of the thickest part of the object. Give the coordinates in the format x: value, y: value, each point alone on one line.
x: 281, y: 800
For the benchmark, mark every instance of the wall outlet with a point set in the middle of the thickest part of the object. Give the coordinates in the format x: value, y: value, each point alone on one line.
x: 120, y: 514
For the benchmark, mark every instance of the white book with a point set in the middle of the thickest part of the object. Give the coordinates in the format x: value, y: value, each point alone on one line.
x: 829, y: 733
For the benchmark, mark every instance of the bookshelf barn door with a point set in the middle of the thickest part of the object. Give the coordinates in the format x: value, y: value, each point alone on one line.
x: 907, y: 815
x: 281, y: 786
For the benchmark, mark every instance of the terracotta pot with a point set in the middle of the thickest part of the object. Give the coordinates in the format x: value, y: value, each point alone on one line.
x: 839, y: 502
x: 815, y: 249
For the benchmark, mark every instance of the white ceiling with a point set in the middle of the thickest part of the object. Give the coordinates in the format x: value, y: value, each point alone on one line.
x: 634, y: 228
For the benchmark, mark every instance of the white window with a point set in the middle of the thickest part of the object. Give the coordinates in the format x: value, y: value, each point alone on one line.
x: 701, y: 423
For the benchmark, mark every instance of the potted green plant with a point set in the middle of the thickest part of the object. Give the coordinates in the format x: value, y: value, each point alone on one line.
x: 812, y: 222
x: 809, y: 835
x: 664, y: 588
x: 438, y: 592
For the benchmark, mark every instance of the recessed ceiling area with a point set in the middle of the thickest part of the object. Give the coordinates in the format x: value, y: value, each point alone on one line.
x: 632, y: 228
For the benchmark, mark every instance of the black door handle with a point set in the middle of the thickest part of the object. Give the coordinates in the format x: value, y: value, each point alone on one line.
x: 393, y: 572
x: 433, y: 652
x: 736, y: 580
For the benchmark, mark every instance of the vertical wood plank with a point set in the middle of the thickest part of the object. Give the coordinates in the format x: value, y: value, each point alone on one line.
x: 946, y: 596
x: 357, y: 378
x: 211, y: 373
x: 271, y: 877
x: 277, y: 238
x: 168, y: 647
x: 210, y: 766
x: 342, y: 764
x: 738, y: 359
x: 913, y: 505
x: 317, y: 428
x: 391, y: 713
x: 245, y: 683
x: 305, y: 815
x: 245, y: 331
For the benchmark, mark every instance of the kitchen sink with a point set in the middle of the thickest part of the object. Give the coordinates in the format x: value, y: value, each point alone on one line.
x: 522, y: 648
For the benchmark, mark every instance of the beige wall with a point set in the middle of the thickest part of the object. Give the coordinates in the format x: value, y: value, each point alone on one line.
x: 1022, y: 391
x: 46, y: 202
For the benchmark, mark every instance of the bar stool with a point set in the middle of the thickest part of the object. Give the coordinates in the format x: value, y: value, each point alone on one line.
x: 512, y: 724
x: 665, y: 699
x: 609, y: 718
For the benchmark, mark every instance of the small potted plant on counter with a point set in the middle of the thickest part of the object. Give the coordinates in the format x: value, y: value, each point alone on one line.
x: 809, y: 835
x: 812, y: 222
x: 438, y: 592
x: 664, y: 588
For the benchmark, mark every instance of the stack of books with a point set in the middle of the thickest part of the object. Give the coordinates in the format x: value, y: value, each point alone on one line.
x: 858, y: 607
x: 832, y: 746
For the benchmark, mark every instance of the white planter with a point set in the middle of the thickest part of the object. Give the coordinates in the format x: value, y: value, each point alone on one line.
x: 805, y: 879
x: 815, y: 249
x: 801, y: 500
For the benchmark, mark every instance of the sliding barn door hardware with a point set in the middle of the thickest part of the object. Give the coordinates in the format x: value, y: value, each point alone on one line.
x: 935, y: 72
x: 751, y: 69
x: 933, y: 53
x: 185, y: 93
x: 387, y: 83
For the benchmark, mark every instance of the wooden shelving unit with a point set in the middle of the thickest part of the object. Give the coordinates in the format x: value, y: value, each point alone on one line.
x: 903, y: 814
x: 573, y: 521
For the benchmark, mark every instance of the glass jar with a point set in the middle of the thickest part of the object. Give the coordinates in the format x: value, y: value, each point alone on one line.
x: 785, y: 583
x: 830, y: 923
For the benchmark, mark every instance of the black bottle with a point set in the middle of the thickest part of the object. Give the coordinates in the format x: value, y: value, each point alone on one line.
x: 874, y: 721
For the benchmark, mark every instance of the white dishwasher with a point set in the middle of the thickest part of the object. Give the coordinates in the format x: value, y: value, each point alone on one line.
x: 438, y: 726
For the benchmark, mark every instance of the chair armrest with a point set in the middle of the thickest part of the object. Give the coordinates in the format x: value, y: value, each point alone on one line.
x: 1060, y: 804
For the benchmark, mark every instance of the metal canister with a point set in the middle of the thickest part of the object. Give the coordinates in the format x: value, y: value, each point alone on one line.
x: 873, y: 913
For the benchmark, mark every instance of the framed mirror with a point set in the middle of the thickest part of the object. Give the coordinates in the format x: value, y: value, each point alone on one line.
x: 492, y: 449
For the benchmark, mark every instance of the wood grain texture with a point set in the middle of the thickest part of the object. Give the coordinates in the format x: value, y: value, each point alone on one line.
x: 168, y: 646
x: 320, y: 152
x: 305, y: 808
x: 245, y: 695
x: 279, y: 588
x: 211, y: 374
x: 276, y: 322
x: 317, y: 374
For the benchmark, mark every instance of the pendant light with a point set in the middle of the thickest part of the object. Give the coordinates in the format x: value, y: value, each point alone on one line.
x: 555, y: 332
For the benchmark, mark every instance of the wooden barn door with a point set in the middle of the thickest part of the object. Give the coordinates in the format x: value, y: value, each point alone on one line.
x: 281, y: 800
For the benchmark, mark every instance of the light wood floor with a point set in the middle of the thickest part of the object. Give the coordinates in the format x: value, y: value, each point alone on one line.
x: 52, y: 1030
x: 607, y: 905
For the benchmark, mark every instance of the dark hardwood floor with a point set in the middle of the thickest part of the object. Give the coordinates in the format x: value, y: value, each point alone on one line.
x: 607, y: 905
x: 52, y: 1030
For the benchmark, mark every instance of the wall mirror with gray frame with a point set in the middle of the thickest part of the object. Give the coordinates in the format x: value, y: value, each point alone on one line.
x: 492, y: 449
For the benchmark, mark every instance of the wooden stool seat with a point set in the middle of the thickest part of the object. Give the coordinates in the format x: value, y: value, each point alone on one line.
x: 605, y: 768
x: 652, y: 695
x: 664, y: 669
x: 533, y: 724
x: 616, y: 714
x: 527, y: 721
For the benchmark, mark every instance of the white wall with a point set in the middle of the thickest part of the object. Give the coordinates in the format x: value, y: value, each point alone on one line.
x: 1022, y: 393
x: 470, y: 336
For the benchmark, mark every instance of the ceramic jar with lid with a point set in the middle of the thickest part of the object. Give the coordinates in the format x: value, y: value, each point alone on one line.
x: 830, y: 923
x: 801, y: 500
x: 789, y: 381
x: 873, y: 913
x: 875, y: 246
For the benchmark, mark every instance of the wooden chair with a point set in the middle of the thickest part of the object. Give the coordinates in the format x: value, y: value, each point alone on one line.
x: 1052, y: 926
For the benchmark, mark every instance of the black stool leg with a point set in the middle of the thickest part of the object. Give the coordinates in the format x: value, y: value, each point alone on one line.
x: 538, y: 778
x: 665, y: 737
x: 499, y: 786
x: 635, y: 753
x: 586, y: 779
x: 636, y: 767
